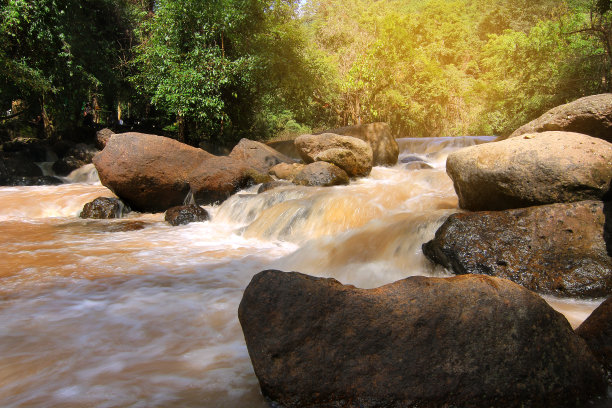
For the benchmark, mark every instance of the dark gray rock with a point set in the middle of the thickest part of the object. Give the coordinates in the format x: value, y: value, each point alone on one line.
x: 468, y: 341
x: 556, y: 249
x: 597, y: 331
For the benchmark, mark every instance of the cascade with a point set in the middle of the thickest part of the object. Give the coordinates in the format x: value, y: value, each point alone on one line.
x: 134, y: 312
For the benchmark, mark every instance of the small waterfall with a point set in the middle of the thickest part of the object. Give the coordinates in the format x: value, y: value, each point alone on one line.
x: 86, y: 174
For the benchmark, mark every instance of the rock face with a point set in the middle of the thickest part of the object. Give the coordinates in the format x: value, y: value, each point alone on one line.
x: 469, y: 341
x: 78, y: 156
x: 351, y: 154
x: 321, y: 174
x: 153, y: 173
x: 185, y: 214
x: 378, y: 135
x: 591, y: 115
x: 534, y: 169
x: 258, y: 155
x: 104, y: 208
x: 557, y: 249
x: 597, y: 331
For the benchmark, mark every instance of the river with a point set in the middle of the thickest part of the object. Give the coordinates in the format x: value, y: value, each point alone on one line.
x: 134, y: 312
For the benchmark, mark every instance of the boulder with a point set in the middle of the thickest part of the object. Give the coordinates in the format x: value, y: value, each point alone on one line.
x: 378, y: 135
x: 185, y: 214
x: 16, y: 166
x: 468, y: 341
x: 76, y: 157
x: 286, y: 171
x: 102, y: 137
x: 555, y: 249
x: 104, y: 208
x: 352, y: 155
x: 32, y: 149
x: 258, y: 156
x: 596, y: 330
x: 591, y: 115
x: 286, y: 147
x: 534, y: 169
x: 321, y: 174
x: 153, y: 173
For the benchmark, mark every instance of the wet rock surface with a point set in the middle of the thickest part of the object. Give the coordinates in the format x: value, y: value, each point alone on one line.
x: 378, y: 135
x: 351, y: 154
x: 153, y: 173
x: 534, y: 169
x: 558, y: 249
x: 104, y: 208
x: 596, y: 330
x: 467, y: 341
x: 186, y: 214
x: 591, y: 115
x: 31, y: 181
x: 321, y: 174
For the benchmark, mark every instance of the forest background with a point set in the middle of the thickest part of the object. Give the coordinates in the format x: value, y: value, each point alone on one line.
x: 211, y: 72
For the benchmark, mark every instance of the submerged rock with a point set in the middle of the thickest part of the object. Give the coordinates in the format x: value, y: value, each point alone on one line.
x: 258, y: 155
x: 351, y: 154
x: 535, y: 169
x: 321, y: 174
x: 153, y: 173
x: 378, y: 135
x: 591, y: 115
x: 272, y: 185
x: 185, y: 214
x: 468, y: 341
x: 556, y: 249
x: 597, y: 331
x: 104, y: 208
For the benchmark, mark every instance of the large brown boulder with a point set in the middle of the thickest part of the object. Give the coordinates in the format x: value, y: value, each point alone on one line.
x: 258, y: 155
x: 469, y: 341
x: 556, y: 249
x: 352, y: 155
x: 378, y: 135
x: 534, y: 169
x: 321, y: 174
x: 596, y: 330
x: 153, y: 173
x: 591, y: 115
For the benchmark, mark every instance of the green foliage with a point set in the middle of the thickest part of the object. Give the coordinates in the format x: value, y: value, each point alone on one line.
x: 55, y: 54
x: 217, y: 64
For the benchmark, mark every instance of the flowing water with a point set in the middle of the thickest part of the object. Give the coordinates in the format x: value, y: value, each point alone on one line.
x: 136, y: 313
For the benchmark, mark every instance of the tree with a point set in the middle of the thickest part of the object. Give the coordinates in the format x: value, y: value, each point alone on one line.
x: 213, y: 64
x: 56, y: 54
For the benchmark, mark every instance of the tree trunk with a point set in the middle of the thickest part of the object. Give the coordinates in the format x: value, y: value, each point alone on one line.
x: 180, y: 119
